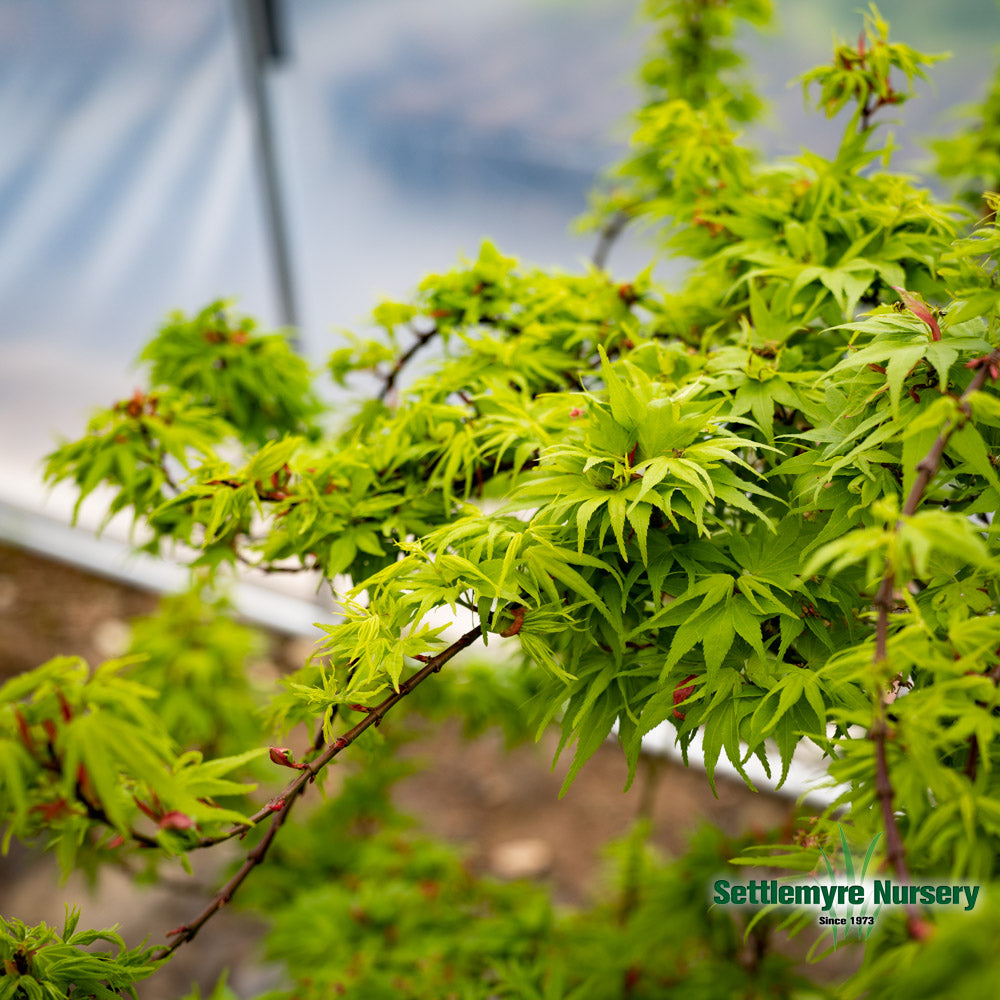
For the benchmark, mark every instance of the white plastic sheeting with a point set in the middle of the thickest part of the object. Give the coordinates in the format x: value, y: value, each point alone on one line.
x: 126, y: 189
x: 407, y: 131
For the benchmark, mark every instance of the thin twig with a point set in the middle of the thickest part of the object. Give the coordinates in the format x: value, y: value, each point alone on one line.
x: 270, y: 568
x: 403, y: 360
x: 879, y: 732
x: 280, y: 808
x: 608, y: 236
x: 160, y: 457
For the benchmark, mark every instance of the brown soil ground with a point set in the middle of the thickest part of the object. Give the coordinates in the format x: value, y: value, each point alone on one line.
x: 503, y: 807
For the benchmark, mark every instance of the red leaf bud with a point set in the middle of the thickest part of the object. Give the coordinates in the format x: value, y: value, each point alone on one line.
x: 176, y: 820
x: 920, y: 310
x: 282, y: 756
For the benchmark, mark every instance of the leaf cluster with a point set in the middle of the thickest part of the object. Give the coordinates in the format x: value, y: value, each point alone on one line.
x: 86, y: 764
x: 43, y: 963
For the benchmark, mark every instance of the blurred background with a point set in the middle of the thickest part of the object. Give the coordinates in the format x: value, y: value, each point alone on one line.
x: 402, y: 133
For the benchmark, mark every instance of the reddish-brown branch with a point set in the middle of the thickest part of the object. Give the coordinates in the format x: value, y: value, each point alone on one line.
x: 972, y: 761
x: 402, y: 361
x: 279, y: 808
x: 879, y: 733
x: 608, y: 236
x: 895, y: 852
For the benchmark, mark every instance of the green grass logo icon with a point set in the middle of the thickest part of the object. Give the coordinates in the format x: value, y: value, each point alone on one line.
x: 858, y: 918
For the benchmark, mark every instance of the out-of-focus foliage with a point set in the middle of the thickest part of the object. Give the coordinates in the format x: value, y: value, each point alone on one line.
x: 250, y: 379
x: 195, y: 656
x: 390, y: 912
x: 971, y: 157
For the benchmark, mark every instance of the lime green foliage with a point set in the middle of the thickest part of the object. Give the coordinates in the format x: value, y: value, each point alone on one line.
x: 86, y: 763
x: 404, y: 918
x: 694, y: 98
x: 130, y: 446
x: 194, y: 656
x: 42, y: 963
x: 756, y: 507
x: 213, y: 380
x: 251, y: 380
x: 971, y: 157
x: 862, y: 73
x: 691, y: 56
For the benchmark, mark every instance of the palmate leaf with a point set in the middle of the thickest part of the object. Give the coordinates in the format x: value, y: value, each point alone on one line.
x: 969, y: 445
x: 40, y: 962
x: 723, y: 721
x: 900, y: 350
x: 793, y: 707
x: 759, y: 397
x: 713, y: 628
x: 628, y: 407
x: 714, y: 623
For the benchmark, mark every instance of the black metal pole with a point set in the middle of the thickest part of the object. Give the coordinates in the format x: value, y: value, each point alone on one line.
x: 259, y: 41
